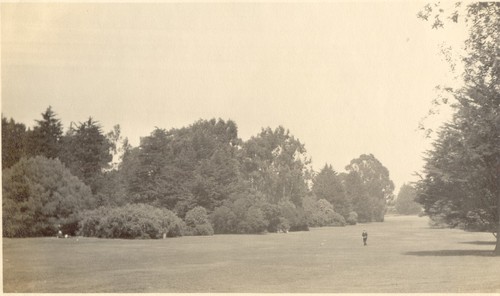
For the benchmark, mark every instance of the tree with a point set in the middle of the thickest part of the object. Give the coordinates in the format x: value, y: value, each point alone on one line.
x: 276, y: 164
x: 375, y: 188
x: 461, y: 176
x: 13, y: 142
x: 40, y: 196
x: 87, y: 151
x: 357, y: 195
x: 46, y: 136
x: 327, y: 185
x: 183, y: 168
x: 405, y: 202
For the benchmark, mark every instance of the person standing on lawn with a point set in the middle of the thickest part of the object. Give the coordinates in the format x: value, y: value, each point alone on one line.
x: 365, y: 237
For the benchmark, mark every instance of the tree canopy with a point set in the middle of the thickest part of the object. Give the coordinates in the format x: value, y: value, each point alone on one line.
x: 203, y: 177
x: 460, y: 186
x: 405, y: 203
x: 369, y: 187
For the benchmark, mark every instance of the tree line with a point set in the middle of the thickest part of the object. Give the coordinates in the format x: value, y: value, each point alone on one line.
x: 196, y: 180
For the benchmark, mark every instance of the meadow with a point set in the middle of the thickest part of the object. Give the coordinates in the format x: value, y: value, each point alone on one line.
x: 403, y: 255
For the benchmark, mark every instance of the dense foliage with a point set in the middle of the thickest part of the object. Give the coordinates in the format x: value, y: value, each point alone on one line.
x: 461, y: 185
x: 41, y: 196
x: 405, y: 202
x: 196, y: 180
x: 369, y: 188
x: 328, y: 186
x: 131, y: 221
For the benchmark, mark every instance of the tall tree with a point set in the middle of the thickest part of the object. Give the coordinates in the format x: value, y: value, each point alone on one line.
x: 183, y: 168
x: 327, y: 185
x: 376, y: 189
x: 13, y: 142
x: 87, y: 151
x: 275, y: 163
x: 405, y: 202
x: 45, y: 138
x: 466, y: 155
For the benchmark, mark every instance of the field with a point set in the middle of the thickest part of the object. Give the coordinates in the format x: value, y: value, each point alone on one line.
x: 403, y: 255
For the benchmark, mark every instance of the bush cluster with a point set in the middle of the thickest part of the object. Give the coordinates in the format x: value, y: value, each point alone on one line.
x: 251, y: 215
x: 131, y: 221
x: 321, y: 213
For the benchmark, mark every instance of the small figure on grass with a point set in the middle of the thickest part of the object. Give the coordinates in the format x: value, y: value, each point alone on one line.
x: 365, y: 237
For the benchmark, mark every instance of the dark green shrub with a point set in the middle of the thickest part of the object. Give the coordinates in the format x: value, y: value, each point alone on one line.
x: 294, y: 215
x: 273, y: 217
x: 255, y: 221
x: 40, y: 196
x: 352, y: 219
x: 224, y: 220
x: 198, y: 222
x: 336, y: 219
x: 283, y: 225
x: 203, y: 229
x: 131, y: 221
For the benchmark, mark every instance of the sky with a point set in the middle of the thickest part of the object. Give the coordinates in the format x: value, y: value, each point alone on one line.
x: 346, y: 78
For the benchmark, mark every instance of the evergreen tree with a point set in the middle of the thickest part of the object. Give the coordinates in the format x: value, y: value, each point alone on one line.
x: 327, y: 185
x: 461, y: 183
x: 45, y: 138
x: 87, y: 151
x: 13, y: 142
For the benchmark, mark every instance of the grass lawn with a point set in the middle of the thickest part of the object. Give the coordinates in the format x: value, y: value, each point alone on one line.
x: 403, y: 255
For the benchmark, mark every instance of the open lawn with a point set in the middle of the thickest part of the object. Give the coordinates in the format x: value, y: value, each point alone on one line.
x: 403, y: 255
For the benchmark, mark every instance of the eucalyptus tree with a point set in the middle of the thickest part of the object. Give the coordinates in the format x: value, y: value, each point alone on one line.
x: 369, y: 186
x: 275, y: 163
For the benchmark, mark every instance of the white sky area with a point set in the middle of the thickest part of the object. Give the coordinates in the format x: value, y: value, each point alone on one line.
x: 346, y: 78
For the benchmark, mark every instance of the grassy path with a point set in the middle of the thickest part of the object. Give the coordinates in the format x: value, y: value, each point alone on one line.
x: 403, y: 255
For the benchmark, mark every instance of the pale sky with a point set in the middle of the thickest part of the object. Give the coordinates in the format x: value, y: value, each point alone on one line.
x: 346, y: 78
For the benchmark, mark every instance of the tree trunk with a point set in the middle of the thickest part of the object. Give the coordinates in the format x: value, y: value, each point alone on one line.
x: 497, y: 247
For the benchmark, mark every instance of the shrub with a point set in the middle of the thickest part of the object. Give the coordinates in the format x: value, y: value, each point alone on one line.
x: 336, y: 219
x: 352, y: 219
x: 294, y: 215
x: 203, y: 229
x: 224, y: 220
x: 197, y: 222
x: 283, y: 225
x: 41, y: 196
x: 272, y: 216
x: 321, y: 213
x: 255, y: 221
x: 131, y: 221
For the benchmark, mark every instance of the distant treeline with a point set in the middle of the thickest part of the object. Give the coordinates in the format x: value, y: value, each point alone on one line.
x: 195, y: 180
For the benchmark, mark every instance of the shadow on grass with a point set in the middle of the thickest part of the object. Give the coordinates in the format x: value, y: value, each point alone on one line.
x: 492, y: 243
x: 483, y: 253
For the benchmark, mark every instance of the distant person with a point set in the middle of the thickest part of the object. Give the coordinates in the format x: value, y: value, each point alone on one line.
x: 365, y: 236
